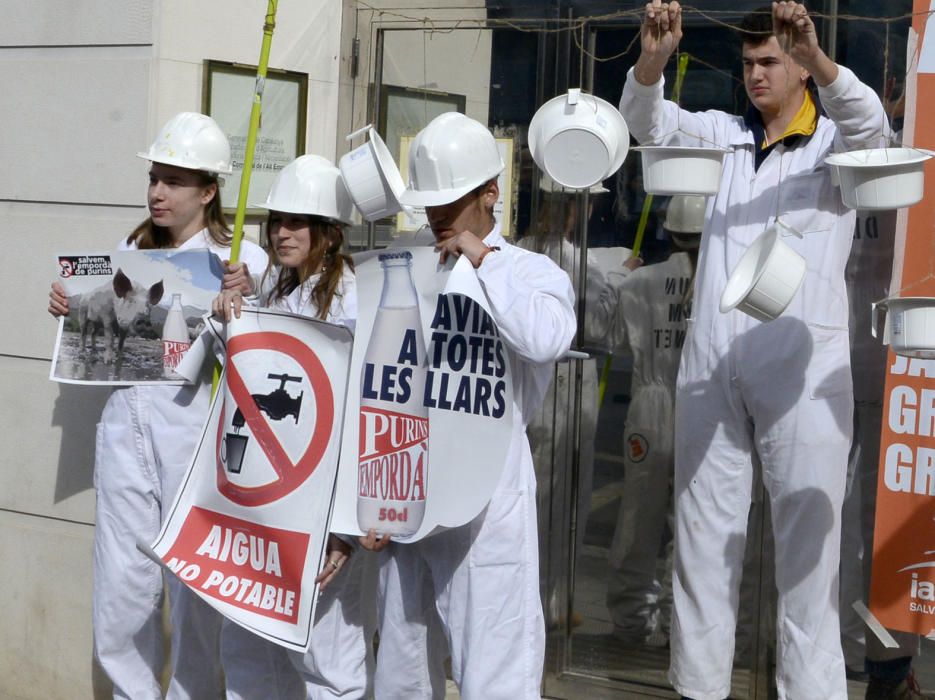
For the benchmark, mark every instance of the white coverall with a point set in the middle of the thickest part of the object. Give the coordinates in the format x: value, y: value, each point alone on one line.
x: 651, y: 317
x: 484, y: 575
x: 779, y: 390
x: 868, y: 279
x: 550, y: 430
x: 145, y: 442
x: 339, y: 661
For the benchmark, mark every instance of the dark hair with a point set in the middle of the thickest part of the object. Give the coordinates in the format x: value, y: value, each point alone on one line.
x: 148, y: 235
x: 757, y: 27
x: 326, y: 237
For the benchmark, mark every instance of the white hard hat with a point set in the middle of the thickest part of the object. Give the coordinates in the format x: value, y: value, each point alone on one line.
x: 311, y: 185
x: 547, y: 184
x: 194, y: 141
x: 447, y: 159
x: 685, y: 213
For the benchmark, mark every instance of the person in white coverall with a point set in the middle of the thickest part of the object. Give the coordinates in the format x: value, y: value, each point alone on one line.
x: 482, y: 577
x: 550, y: 431
x: 309, y: 206
x: 775, y: 394
x: 145, y: 442
x: 653, y: 303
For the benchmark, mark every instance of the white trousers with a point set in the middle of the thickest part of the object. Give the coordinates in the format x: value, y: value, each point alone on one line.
x: 794, y: 410
x: 483, y: 579
x: 145, y: 441
x: 339, y: 662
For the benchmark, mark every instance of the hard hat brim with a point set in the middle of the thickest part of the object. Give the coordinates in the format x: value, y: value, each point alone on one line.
x: 296, y: 210
x: 433, y: 198
x: 439, y: 198
x: 181, y: 163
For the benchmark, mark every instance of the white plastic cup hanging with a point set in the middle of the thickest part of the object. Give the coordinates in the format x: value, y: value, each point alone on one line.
x: 880, y: 178
x: 578, y: 139
x: 372, y: 177
x: 766, y: 279
x: 910, y: 325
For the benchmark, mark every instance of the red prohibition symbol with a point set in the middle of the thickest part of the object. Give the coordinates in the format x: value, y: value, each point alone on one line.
x: 289, y: 476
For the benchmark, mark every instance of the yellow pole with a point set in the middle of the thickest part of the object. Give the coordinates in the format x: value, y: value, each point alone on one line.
x: 269, y: 25
x: 644, y: 218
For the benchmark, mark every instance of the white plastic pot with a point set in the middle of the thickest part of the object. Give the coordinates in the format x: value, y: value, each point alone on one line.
x: 766, y: 278
x: 669, y: 170
x: 578, y: 139
x: 880, y: 178
x: 910, y: 325
x: 372, y: 177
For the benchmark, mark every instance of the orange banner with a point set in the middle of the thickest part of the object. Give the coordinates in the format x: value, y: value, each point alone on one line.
x: 902, y: 591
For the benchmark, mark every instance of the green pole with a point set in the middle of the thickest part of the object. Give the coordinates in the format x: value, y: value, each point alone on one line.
x: 269, y: 25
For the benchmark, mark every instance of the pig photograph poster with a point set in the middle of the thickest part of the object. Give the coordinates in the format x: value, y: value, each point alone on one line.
x: 133, y: 314
x: 248, y: 528
x: 429, y: 399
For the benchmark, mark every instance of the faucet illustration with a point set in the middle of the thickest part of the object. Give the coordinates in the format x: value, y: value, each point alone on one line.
x: 278, y: 404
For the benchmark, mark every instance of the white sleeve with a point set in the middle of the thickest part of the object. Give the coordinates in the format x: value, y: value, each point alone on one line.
x: 532, y: 302
x: 600, y: 307
x: 653, y: 120
x: 857, y: 112
x: 344, y: 308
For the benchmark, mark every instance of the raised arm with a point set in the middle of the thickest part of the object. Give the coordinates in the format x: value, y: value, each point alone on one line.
x: 660, y: 34
x: 852, y: 106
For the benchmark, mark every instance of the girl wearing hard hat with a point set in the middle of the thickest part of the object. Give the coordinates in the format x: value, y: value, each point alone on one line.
x: 145, y: 440
x: 308, y: 275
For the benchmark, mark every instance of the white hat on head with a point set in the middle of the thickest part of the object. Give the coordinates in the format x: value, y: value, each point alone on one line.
x: 451, y: 156
x: 311, y: 185
x: 685, y: 213
x: 194, y: 141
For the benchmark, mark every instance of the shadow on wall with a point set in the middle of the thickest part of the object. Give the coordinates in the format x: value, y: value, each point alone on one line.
x: 77, y: 411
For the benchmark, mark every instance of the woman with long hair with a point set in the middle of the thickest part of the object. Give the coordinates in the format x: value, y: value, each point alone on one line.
x: 145, y: 441
x: 308, y: 275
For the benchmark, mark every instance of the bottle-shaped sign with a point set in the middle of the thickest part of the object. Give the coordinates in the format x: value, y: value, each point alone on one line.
x: 394, y: 422
x: 175, y: 341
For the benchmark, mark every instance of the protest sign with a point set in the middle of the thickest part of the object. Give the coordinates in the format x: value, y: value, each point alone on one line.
x: 132, y: 314
x: 902, y: 591
x: 429, y: 407
x: 248, y: 529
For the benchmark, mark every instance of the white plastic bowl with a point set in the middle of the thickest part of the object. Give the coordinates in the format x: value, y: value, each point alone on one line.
x: 669, y: 170
x: 372, y: 177
x: 880, y: 178
x: 910, y: 326
x: 766, y: 278
x: 578, y: 139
